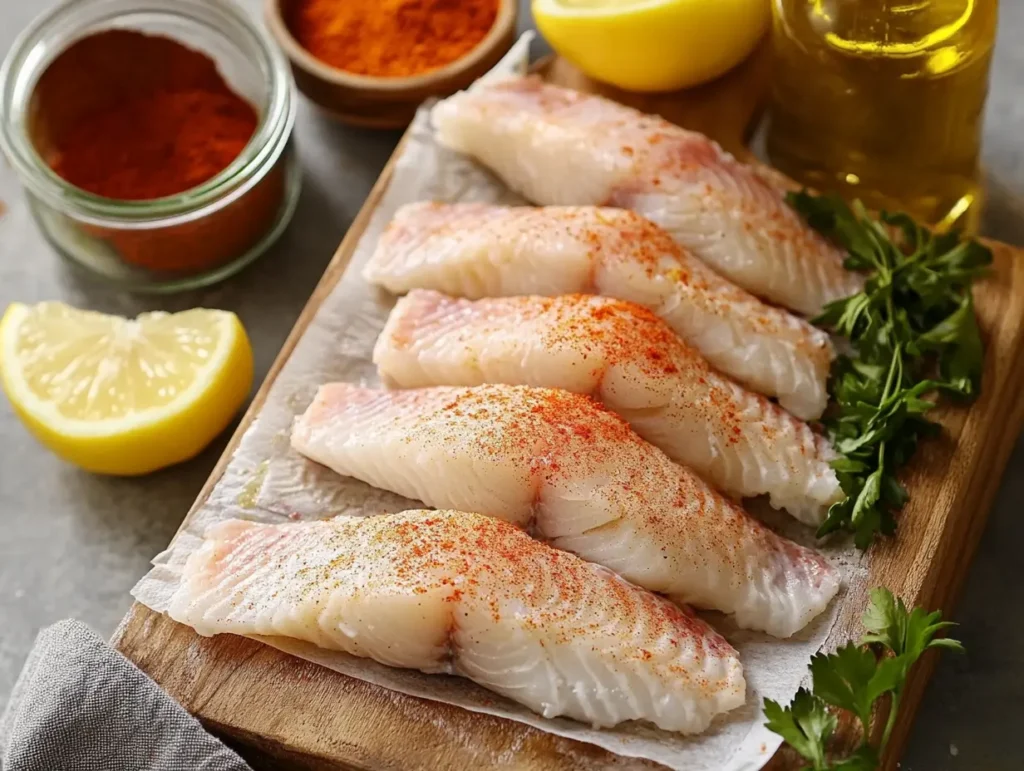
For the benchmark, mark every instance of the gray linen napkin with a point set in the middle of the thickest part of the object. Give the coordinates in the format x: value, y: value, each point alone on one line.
x: 79, y: 705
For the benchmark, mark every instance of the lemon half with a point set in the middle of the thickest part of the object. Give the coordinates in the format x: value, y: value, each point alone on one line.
x: 653, y: 45
x: 122, y: 396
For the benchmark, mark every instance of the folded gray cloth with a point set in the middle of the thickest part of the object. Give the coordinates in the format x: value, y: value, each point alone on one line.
x: 79, y: 705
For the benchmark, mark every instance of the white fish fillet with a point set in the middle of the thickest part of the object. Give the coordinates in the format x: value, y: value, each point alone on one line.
x: 574, y: 473
x: 457, y: 593
x: 558, y: 146
x: 631, y: 360
x: 475, y: 250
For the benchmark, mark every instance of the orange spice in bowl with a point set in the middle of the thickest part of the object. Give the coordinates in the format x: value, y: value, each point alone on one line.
x: 374, y: 62
x: 390, y: 38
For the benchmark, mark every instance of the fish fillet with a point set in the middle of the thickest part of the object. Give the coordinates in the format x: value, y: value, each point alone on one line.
x: 628, y: 358
x: 572, y: 472
x: 463, y: 594
x: 475, y: 250
x: 558, y: 146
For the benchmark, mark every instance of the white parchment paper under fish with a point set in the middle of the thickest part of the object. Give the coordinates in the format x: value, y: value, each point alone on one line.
x: 267, y: 481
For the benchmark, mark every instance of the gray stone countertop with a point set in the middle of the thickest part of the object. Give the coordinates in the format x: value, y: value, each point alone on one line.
x: 73, y: 544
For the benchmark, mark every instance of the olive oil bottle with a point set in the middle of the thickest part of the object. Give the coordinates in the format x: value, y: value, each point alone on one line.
x: 883, y: 100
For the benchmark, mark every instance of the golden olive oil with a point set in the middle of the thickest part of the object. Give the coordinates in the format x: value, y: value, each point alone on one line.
x: 883, y: 100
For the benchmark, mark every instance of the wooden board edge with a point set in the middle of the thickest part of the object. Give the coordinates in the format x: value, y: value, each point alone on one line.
x: 917, y: 682
x: 942, y: 592
x: 942, y: 560
x: 370, y: 727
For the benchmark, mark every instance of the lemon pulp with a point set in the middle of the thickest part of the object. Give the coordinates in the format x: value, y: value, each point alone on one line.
x: 124, y: 396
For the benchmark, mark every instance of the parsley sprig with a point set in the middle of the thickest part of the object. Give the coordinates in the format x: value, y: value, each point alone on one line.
x: 913, y: 334
x: 854, y: 678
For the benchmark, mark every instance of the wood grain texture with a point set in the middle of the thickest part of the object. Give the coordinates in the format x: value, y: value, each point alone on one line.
x: 290, y: 714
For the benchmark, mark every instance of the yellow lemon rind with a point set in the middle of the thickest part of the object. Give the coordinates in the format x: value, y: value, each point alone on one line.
x: 657, y: 46
x: 146, y: 441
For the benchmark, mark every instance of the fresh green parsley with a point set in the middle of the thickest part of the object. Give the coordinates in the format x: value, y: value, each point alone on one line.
x: 854, y: 678
x: 912, y: 333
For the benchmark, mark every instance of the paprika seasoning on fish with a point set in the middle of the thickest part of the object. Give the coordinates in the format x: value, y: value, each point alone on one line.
x: 390, y: 38
x: 136, y: 117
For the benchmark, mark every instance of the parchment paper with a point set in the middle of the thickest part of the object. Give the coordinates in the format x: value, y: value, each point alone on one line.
x: 267, y: 481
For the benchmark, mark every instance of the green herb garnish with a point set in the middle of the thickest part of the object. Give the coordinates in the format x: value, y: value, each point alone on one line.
x: 913, y: 334
x: 854, y: 678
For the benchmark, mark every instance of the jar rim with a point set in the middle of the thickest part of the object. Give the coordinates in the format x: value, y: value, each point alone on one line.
x: 28, y: 59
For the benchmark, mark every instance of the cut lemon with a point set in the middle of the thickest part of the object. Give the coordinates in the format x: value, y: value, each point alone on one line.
x: 652, y: 45
x: 122, y: 396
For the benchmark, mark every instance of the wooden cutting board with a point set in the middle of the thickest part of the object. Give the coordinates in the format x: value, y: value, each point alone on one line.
x: 291, y: 714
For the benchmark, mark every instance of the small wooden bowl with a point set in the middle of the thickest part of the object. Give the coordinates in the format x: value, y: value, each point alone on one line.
x: 376, y: 102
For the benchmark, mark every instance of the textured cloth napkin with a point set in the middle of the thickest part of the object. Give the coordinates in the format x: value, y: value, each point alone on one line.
x: 79, y: 705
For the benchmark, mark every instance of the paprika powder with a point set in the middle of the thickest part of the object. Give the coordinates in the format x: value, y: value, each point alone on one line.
x: 390, y: 38
x: 161, y: 141
x: 143, y: 121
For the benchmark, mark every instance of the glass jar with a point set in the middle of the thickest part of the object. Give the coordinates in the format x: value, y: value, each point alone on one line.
x: 181, y: 241
x: 882, y: 100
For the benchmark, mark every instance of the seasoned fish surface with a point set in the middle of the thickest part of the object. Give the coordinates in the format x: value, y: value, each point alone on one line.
x: 628, y: 358
x: 558, y: 146
x: 450, y: 592
x: 476, y: 250
x: 574, y: 473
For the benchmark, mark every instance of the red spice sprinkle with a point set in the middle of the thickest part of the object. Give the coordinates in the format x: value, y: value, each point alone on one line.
x: 602, y: 336
x: 658, y: 154
x: 533, y: 432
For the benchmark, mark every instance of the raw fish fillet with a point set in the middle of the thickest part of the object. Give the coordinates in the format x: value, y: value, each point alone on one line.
x: 570, y: 471
x: 631, y: 360
x: 463, y: 594
x: 558, y: 146
x: 475, y: 250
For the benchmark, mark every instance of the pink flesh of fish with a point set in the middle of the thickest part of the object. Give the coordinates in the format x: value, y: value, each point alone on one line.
x: 476, y: 250
x: 628, y: 358
x: 559, y: 146
x: 456, y: 593
x: 576, y: 474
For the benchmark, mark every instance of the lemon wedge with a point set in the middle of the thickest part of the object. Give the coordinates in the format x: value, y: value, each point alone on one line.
x: 652, y: 45
x: 122, y: 396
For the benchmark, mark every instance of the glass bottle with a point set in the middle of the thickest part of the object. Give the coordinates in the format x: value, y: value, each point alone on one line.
x: 883, y: 100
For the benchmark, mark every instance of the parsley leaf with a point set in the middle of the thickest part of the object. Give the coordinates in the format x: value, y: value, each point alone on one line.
x: 885, y: 618
x: 854, y: 678
x: 805, y: 725
x: 913, y: 333
x: 958, y: 334
x: 842, y: 678
x: 904, y: 633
